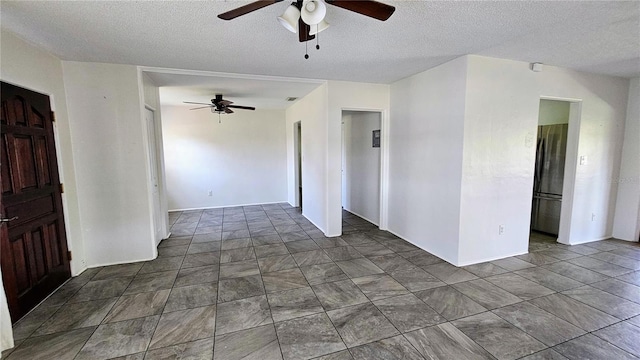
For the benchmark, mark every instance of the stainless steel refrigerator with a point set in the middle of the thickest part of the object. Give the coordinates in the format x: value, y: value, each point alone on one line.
x: 548, y: 178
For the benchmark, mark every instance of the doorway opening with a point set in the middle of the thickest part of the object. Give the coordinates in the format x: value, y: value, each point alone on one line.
x: 297, y: 145
x: 158, y: 216
x: 554, y: 171
x: 361, y: 169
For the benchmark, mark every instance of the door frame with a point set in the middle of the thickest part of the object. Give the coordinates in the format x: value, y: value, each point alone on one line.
x: 345, y: 170
x: 61, y: 201
x: 78, y: 263
x: 384, y: 161
x: 158, y: 219
x: 297, y: 162
x: 570, y: 167
x: 157, y: 215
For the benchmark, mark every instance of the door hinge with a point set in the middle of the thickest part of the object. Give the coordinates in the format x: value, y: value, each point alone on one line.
x: 61, y: 188
x: 69, y: 257
x: 53, y: 116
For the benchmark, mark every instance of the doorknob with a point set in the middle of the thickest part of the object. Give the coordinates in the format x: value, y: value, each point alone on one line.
x: 8, y: 219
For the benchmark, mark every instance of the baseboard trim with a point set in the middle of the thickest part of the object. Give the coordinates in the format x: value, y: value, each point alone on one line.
x: 588, y: 241
x: 316, y: 225
x: 483, y: 260
x: 466, y: 263
x: 119, y: 263
x: 418, y: 246
x: 226, y: 206
x: 364, y: 217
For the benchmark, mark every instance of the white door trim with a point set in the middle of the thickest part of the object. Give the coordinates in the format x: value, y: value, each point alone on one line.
x: 384, y: 162
x: 570, y: 168
x: 154, y: 168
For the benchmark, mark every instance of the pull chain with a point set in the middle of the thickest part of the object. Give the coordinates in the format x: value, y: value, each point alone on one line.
x: 317, y: 38
x: 306, y: 49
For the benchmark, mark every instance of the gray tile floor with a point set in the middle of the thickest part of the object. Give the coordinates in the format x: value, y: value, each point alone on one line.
x: 261, y: 282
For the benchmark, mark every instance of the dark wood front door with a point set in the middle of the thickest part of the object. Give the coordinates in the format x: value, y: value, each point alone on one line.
x: 34, y: 246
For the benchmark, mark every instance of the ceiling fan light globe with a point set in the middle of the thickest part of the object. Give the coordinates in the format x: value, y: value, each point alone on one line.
x: 289, y: 20
x: 313, y: 11
x: 323, y: 25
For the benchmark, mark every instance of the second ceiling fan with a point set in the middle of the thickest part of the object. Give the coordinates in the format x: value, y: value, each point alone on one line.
x: 301, y: 15
x: 220, y: 105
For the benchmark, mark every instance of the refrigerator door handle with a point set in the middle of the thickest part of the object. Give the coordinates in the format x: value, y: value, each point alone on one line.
x: 537, y: 175
x: 541, y: 197
x: 543, y: 155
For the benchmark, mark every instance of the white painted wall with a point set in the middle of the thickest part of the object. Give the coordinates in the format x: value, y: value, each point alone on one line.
x: 242, y: 160
x: 361, y: 166
x: 626, y: 225
x: 462, y: 155
x: 105, y: 114
x: 502, y: 103
x: 425, y: 158
x: 348, y: 96
x: 151, y: 95
x: 31, y: 68
x: 311, y: 111
x: 97, y: 110
x: 106, y: 183
x: 321, y: 115
x: 552, y: 112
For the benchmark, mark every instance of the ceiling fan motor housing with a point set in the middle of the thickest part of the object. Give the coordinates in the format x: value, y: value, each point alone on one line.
x: 217, y: 99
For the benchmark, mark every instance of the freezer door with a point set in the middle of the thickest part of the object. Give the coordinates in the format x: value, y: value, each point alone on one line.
x: 545, y: 216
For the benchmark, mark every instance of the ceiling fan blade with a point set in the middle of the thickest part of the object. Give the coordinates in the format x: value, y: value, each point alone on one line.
x: 374, y: 9
x: 225, y: 102
x: 197, y: 103
x: 243, y: 10
x: 241, y: 107
x: 228, y: 111
x: 202, y: 107
x: 303, y: 31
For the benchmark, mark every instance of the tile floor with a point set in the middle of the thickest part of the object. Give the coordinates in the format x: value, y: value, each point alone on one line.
x: 261, y: 282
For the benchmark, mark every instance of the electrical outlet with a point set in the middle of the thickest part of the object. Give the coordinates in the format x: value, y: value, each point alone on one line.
x: 210, y: 192
x: 583, y: 160
x: 500, y: 229
x: 593, y: 217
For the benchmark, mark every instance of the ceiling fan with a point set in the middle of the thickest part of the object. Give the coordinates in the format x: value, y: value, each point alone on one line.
x: 306, y: 17
x: 219, y: 105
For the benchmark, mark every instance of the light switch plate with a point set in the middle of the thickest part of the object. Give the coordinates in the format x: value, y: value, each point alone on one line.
x: 583, y: 160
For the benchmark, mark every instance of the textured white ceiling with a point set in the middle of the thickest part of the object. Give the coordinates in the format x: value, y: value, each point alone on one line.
x: 593, y: 36
x: 262, y: 92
